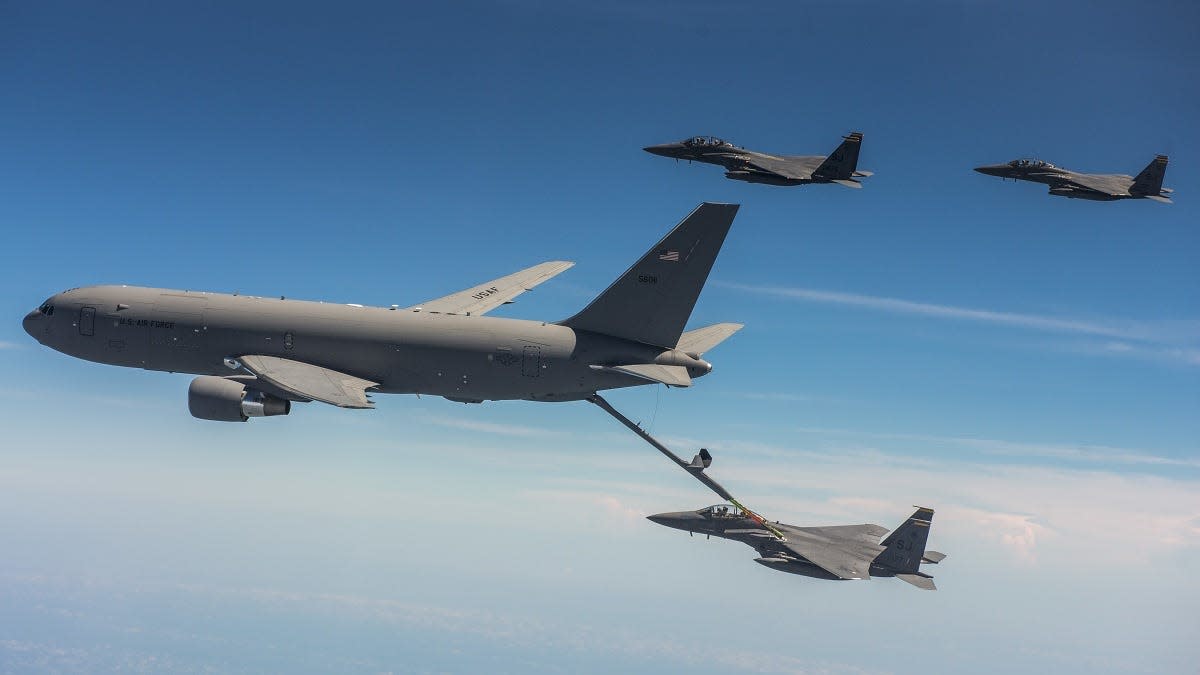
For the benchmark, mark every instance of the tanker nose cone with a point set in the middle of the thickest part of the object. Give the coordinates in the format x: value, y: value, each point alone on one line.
x: 32, y: 323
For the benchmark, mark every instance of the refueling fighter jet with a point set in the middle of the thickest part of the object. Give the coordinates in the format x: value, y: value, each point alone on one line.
x: 830, y: 552
x: 1100, y: 187
x: 841, y: 167
x: 256, y: 356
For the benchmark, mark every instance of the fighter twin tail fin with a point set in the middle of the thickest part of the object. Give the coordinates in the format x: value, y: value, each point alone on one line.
x: 842, y: 165
x: 1148, y: 183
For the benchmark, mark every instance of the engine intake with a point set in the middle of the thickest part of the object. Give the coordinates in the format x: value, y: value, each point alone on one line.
x: 223, y: 400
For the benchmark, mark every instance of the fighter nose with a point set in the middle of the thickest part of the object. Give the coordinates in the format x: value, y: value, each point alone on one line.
x: 990, y: 169
x: 680, y: 519
x: 661, y: 150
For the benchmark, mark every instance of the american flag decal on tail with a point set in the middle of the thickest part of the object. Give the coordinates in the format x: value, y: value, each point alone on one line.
x: 670, y: 255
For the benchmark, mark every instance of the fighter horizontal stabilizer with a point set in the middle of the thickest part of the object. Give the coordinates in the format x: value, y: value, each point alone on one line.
x: 921, y: 581
x: 1160, y: 199
x: 672, y: 376
x: 848, y: 182
x: 863, y: 174
x: 491, y: 294
x: 311, y: 382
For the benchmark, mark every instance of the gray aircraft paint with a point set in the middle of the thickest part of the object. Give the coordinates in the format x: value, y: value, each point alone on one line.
x: 1102, y: 187
x: 335, y: 347
x: 841, y: 166
x: 833, y: 552
x: 836, y: 552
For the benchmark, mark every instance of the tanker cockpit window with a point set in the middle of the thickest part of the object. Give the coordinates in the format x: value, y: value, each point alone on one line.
x: 47, y: 309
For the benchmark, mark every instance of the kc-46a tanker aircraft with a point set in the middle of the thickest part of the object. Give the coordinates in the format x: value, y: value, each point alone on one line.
x: 255, y: 356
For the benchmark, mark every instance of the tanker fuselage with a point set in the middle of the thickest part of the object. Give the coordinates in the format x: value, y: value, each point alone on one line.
x: 465, y: 358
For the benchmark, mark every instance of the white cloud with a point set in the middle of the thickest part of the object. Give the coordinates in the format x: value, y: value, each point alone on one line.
x: 1176, y: 339
x: 1080, y: 452
x: 508, y: 628
x: 491, y: 427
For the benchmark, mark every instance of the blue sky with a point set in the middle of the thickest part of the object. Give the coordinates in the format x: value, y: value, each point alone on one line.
x: 1028, y: 366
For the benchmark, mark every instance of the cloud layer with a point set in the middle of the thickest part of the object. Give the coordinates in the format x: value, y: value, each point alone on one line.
x: 1171, y: 340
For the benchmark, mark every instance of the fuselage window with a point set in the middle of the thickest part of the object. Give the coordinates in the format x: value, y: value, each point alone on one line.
x: 288, y: 340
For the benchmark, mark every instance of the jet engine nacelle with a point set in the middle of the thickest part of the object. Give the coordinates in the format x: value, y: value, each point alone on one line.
x: 757, y: 177
x: 1071, y: 193
x: 804, y: 569
x: 223, y: 400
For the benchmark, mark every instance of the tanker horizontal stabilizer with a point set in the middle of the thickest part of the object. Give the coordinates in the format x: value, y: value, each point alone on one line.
x: 700, y: 340
x: 672, y: 376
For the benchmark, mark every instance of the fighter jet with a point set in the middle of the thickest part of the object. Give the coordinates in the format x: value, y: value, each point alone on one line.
x: 841, y: 167
x: 1101, y: 187
x: 831, y: 552
x: 255, y: 356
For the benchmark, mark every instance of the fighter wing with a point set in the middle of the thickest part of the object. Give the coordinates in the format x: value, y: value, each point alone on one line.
x: 842, y: 564
x: 490, y: 295
x: 867, y: 533
x: 311, y: 382
x: 1108, y: 185
x: 783, y: 167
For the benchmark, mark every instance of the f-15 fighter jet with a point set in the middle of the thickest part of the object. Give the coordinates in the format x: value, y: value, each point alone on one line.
x: 830, y: 552
x: 1101, y: 187
x: 841, y: 167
